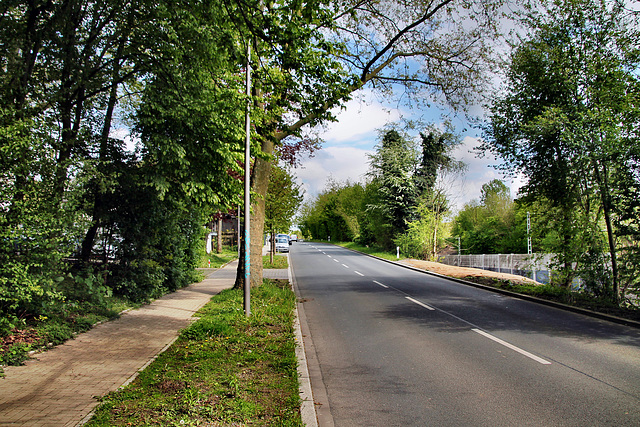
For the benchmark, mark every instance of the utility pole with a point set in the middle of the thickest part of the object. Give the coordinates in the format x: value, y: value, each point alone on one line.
x: 247, y: 192
x: 530, y: 248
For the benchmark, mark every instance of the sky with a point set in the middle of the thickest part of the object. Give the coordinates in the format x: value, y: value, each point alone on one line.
x: 348, y: 141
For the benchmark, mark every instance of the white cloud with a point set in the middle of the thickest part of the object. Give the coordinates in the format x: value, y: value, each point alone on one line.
x: 358, y: 121
x: 341, y: 163
x: 480, y: 170
x: 353, y: 136
x: 347, y: 143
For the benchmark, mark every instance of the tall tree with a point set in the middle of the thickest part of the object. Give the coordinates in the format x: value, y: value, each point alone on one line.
x: 283, y: 199
x: 312, y: 56
x: 392, y: 166
x: 567, y: 119
x: 436, y: 157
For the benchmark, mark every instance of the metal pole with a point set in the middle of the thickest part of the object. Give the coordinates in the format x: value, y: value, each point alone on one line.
x: 529, y: 248
x: 247, y: 193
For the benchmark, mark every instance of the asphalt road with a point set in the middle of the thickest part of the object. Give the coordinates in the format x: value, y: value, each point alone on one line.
x: 395, y: 347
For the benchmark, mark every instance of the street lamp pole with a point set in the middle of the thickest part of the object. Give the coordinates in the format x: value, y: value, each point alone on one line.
x: 247, y: 192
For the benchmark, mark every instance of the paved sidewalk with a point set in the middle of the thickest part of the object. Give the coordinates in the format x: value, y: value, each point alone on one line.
x: 59, y: 387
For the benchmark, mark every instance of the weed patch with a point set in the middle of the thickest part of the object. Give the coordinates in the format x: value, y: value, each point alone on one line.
x: 224, y: 369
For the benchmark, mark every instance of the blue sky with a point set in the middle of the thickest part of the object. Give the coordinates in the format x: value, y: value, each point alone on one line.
x: 354, y: 135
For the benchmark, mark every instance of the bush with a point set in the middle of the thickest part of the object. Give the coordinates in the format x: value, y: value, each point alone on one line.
x: 15, y: 355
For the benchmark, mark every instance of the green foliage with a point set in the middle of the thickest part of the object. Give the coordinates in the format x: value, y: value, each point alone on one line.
x: 66, y: 184
x: 392, y: 169
x: 333, y: 213
x: 15, y: 355
x: 397, y: 202
x: 494, y: 225
x: 437, y: 146
x: 568, y: 121
x: 424, y: 236
x: 283, y: 198
x: 87, y: 285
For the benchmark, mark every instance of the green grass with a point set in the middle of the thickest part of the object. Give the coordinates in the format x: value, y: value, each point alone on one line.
x: 229, y: 253
x: 224, y: 369
x: 369, y: 250
x: 279, y: 261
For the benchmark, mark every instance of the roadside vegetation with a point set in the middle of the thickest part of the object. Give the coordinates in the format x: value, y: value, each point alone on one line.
x: 80, y: 301
x: 378, y: 252
x: 279, y: 262
x: 224, y: 369
x: 91, y: 222
x: 217, y: 260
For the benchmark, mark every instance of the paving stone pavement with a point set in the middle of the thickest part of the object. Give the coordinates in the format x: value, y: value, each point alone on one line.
x: 60, y: 387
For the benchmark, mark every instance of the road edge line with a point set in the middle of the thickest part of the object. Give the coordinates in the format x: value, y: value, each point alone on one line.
x: 554, y: 304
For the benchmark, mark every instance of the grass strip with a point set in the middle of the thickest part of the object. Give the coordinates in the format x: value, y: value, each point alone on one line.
x: 370, y: 250
x: 279, y: 262
x: 224, y: 369
x: 215, y: 260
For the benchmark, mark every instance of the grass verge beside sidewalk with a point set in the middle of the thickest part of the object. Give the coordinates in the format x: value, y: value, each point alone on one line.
x: 369, y: 250
x: 224, y: 369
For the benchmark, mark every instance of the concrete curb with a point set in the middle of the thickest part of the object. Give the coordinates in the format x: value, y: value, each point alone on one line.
x: 307, y: 406
x: 315, y: 408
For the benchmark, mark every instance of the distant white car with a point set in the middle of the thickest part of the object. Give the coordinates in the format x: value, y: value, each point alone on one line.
x: 282, y: 244
x: 286, y: 236
x: 294, y: 238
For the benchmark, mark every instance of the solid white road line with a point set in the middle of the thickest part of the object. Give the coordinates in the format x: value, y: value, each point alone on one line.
x: 420, y: 303
x: 378, y: 283
x: 512, y: 347
x: 357, y: 272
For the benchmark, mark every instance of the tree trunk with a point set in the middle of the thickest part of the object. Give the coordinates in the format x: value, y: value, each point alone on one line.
x: 259, y: 184
x: 219, y: 227
x: 272, y: 244
x: 98, y: 193
x: 605, y: 195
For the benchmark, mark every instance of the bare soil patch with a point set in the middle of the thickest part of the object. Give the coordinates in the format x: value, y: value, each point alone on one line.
x: 467, y: 273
